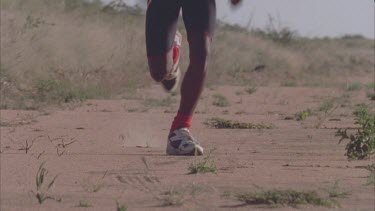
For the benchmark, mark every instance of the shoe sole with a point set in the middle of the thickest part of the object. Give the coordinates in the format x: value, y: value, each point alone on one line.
x: 174, y: 88
x: 173, y: 151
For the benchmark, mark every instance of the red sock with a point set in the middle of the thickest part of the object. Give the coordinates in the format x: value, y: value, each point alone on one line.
x: 181, y: 121
x: 176, y: 53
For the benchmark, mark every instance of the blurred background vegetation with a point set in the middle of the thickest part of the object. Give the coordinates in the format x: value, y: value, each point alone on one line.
x: 58, y: 51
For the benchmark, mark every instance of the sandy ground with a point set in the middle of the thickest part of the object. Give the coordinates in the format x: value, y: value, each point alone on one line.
x: 108, y: 150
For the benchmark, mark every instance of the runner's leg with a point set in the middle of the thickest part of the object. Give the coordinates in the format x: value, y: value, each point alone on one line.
x: 161, y: 26
x: 199, y: 17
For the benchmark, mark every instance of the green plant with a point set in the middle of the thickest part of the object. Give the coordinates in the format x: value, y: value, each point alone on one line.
x: 334, y: 191
x: 121, y: 207
x: 362, y: 143
x: 151, y: 102
x: 371, y: 90
x: 84, y: 204
x: 353, y: 87
x: 41, y: 189
x: 173, y: 198
x: 289, y: 83
x: 326, y: 105
x: 220, y: 100
x: 220, y: 123
x: 371, y: 177
x: 205, y: 166
x: 251, y: 90
x: 277, y: 198
x: 302, y: 115
x: 55, y: 91
x: 276, y: 32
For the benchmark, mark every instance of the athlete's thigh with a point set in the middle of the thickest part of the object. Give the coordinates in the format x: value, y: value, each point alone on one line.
x: 199, y: 16
x: 161, y: 25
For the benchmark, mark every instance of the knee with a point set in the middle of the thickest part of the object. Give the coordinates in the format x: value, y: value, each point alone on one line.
x: 199, y: 52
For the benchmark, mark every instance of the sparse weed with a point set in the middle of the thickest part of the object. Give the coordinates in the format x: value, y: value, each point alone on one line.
x: 371, y: 95
x: 371, y: 85
x: 220, y: 123
x: 327, y: 105
x: 361, y: 144
x: 370, y: 90
x: 84, y: 204
x: 251, y: 90
x: 289, y: 84
x: 278, y: 198
x: 41, y: 190
x: 220, y: 100
x: 121, y: 207
x: 177, y: 196
x: 302, y: 115
x: 371, y: 177
x: 353, y: 87
x: 54, y: 91
x: 276, y: 32
x: 205, y: 166
x: 334, y: 191
x: 151, y: 102
x: 173, y: 198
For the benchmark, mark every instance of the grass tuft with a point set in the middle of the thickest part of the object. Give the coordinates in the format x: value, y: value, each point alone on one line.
x: 121, y: 207
x: 207, y: 165
x: 151, y: 102
x: 353, y: 87
x: 278, y: 198
x: 302, y: 115
x: 220, y: 123
x: 173, y: 198
x: 334, y: 191
x: 84, y: 204
x: 327, y: 105
x: 251, y: 90
x: 371, y: 177
x: 220, y: 101
x: 41, y: 189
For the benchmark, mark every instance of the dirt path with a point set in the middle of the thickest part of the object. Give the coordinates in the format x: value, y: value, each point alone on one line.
x: 108, y: 150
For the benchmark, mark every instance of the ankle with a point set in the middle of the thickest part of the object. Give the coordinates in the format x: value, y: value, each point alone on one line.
x: 181, y: 121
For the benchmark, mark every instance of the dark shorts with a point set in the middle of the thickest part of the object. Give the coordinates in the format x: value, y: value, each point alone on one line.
x: 162, y: 17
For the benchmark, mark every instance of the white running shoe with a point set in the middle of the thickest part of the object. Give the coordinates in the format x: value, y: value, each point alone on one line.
x: 171, y: 80
x: 180, y: 142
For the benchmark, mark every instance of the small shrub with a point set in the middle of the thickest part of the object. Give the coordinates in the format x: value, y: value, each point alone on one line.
x: 334, y: 191
x: 54, y: 91
x: 84, y: 204
x: 326, y: 105
x: 121, y: 207
x: 277, y: 198
x: 276, y: 32
x: 371, y: 177
x: 362, y: 143
x: 220, y: 100
x: 251, y: 90
x: 353, y: 87
x: 370, y: 90
x: 289, y: 84
x: 302, y: 115
x: 173, y: 198
x: 205, y: 166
